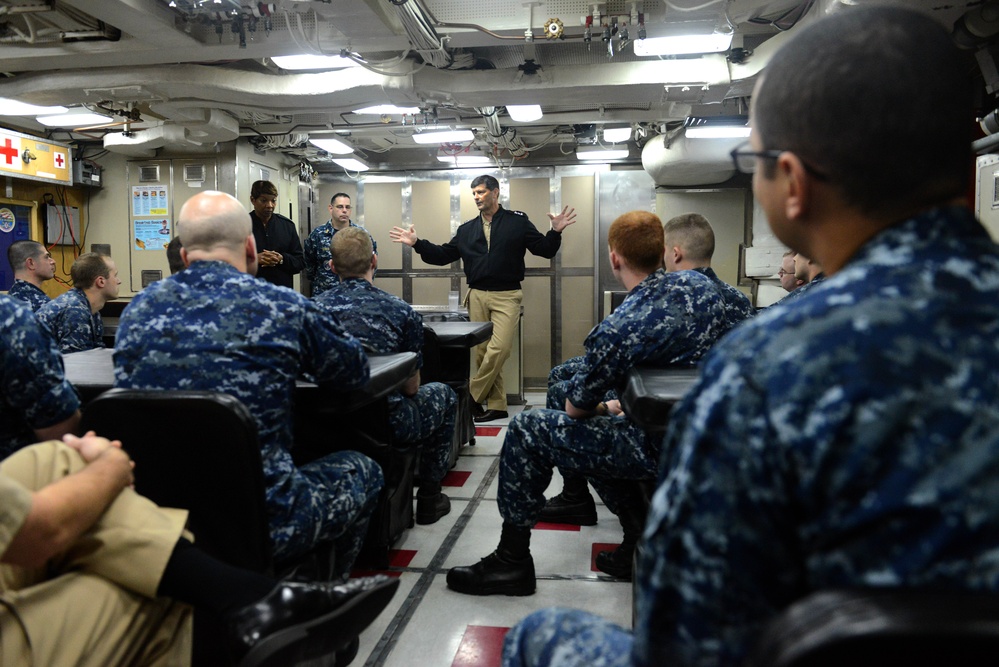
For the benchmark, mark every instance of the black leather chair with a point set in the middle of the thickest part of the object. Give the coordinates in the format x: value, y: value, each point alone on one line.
x: 883, y: 628
x: 433, y: 371
x: 366, y: 429
x: 195, y: 450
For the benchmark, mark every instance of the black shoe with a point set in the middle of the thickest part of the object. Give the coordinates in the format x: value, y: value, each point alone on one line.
x: 559, y: 509
x: 301, y: 621
x: 347, y: 655
x: 475, y: 407
x: 431, y: 508
x: 493, y: 576
x: 618, y: 563
x: 490, y: 415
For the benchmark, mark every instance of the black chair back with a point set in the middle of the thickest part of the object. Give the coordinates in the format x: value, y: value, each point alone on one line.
x: 196, y: 450
x: 883, y: 628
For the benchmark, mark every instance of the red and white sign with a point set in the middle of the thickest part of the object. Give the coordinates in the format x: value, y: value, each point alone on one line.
x: 10, y: 152
x: 59, y: 160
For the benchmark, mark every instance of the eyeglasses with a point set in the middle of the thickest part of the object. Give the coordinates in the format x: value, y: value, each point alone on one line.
x: 781, y: 273
x: 745, y: 159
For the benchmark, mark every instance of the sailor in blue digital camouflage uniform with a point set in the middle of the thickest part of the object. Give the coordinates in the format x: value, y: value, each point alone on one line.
x: 214, y: 327
x: 386, y: 324
x: 74, y: 318
x: 36, y: 401
x: 851, y: 437
x: 317, y: 246
x: 807, y: 271
x: 666, y: 316
x: 690, y: 245
x: 32, y: 265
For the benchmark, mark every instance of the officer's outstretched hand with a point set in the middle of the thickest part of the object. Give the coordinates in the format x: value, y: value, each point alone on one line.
x: 563, y: 219
x: 402, y: 235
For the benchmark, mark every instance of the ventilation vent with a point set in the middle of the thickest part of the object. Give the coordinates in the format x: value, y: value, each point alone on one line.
x: 149, y: 174
x: 194, y: 173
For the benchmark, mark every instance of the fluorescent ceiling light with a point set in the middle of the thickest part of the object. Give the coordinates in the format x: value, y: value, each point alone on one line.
x: 683, y: 44
x: 717, y: 132
x: 465, y: 158
x: 615, y: 135
x: 387, y: 110
x: 15, y: 108
x: 524, y: 113
x: 443, y: 137
x: 76, y: 117
x: 350, y: 164
x: 600, y: 153
x: 334, y: 146
x: 307, y: 61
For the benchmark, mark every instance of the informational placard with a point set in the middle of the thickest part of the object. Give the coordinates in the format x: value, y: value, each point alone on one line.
x: 25, y: 156
x: 149, y: 200
x: 151, y: 234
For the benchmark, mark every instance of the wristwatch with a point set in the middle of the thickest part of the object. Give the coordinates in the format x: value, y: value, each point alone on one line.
x: 281, y: 261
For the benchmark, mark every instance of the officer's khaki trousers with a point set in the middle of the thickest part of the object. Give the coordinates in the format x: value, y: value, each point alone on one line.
x: 95, y: 604
x: 503, y: 310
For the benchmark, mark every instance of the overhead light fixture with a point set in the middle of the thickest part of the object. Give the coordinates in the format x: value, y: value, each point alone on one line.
x: 75, y: 117
x: 716, y: 127
x: 14, y: 108
x: 678, y: 45
x: 600, y: 153
x: 308, y: 61
x: 350, y: 163
x: 334, y: 146
x: 614, y: 135
x: 387, y: 110
x: 716, y: 132
x: 443, y: 137
x: 472, y: 157
x: 524, y: 113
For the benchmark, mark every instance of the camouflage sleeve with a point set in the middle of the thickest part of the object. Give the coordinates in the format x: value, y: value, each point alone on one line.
x: 311, y: 259
x: 32, y: 376
x: 719, y: 553
x: 329, y: 353
x: 72, y: 326
x: 604, y: 363
x: 412, y: 336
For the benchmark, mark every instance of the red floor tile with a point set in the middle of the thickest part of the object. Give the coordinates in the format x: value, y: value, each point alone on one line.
x: 487, y: 431
x: 544, y: 525
x: 397, y: 558
x: 481, y: 646
x: 597, y: 548
x: 456, y: 478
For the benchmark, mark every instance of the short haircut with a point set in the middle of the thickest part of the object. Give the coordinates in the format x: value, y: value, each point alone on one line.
x: 20, y: 252
x: 351, y: 250
x: 486, y: 180
x: 210, y: 220
x: 337, y: 196
x: 262, y: 188
x: 173, y: 255
x: 638, y: 238
x: 878, y: 99
x: 87, y: 268
x: 693, y: 233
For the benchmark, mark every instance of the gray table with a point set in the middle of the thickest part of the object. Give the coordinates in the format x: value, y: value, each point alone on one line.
x: 92, y: 372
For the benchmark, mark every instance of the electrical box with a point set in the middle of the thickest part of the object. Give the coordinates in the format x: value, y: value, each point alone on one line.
x: 62, y: 225
x: 87, y: 173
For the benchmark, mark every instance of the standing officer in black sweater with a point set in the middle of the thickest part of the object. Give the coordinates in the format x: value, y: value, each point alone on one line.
x: 491, y: 247
x: 279, y: 250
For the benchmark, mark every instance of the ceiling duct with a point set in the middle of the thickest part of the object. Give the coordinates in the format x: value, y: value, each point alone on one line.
x: 675, y: 160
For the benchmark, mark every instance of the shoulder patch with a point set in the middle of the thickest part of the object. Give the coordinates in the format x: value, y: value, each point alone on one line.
x: 519, y: 213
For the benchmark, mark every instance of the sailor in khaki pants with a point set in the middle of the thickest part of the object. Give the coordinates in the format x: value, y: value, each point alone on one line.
x: 502, y: 308
x: 95, y: 603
